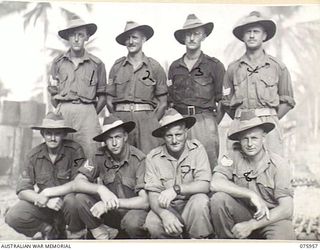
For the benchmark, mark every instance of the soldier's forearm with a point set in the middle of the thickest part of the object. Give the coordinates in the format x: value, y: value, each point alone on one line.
x: 283, y: 109
x: 195, y: 187
x: 281, y: 212
x: 101, y: 103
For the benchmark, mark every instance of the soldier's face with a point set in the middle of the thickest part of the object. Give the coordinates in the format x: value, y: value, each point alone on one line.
x: 254, y: 36
x: 252, y: 141
x: 194, y: 37
x: 175, y: 138
x: 77, y: 39
x: 135, y: 41
x: 116, y: 140
x: 53, y: 137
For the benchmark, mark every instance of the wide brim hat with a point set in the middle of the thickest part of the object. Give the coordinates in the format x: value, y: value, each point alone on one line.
x: 192, y: 22
x: 171, y: 117
x: 248, y: 120
x: 112, y: 122
x: 54, y: 121
x: 133, y: 26
x: 255, y: 18
x: 77, y: 23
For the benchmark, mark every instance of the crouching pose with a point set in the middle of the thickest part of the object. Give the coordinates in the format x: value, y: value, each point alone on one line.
x: 50, y: 164
x: 119, y: 202
x: 177, y: 178
x: 253, y: 196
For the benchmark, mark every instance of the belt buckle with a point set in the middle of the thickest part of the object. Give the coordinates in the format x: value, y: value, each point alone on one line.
x: 131, y: 107
x: 191, y: 110
x: 76, y: 101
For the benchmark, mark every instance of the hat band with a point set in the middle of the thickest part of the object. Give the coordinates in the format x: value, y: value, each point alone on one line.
x: 53, y: 123
x: 169, y: 119
x: 112, y: 125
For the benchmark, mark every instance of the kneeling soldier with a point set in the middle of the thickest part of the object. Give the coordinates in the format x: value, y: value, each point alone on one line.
x: 177, y: 178
x: 52, y: 163
x: 253, y: 194
x: 119, y: 202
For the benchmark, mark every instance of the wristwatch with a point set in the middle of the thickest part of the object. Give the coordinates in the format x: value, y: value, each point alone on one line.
x: 177, y: 189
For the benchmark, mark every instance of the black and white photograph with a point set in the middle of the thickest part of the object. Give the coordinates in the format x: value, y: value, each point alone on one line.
x: 132, y: 120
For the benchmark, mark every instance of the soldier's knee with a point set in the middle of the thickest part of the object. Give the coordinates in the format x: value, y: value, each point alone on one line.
x: 200, y: 203
x: 219, y: 200
x: 70, y: 202
x: 154, y: 225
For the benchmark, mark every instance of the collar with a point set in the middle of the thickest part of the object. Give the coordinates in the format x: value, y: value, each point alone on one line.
x: 243, y: 167
x: 200, y: 59
x: 144, y: 60
x: 262, y: 61
x: 110, y: 158
x: 85, y: 57
x: 189, y: 146
x: 43, y: 152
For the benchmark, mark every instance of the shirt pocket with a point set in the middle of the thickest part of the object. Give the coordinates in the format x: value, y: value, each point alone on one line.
x: 145, y: 86
x: 121, y: 82
x: 267, y: 89
x: 64, y: 176
x: 129, y: 182
x: 204, y: 87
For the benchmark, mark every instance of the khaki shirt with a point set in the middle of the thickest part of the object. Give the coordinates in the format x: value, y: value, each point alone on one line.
x: 84, y: 82
x: 137, y: 86
x: 164, y: 171
x: 265, y: 85
x: 201, y: 87
x: 125, y: 178
x: 39, y: 170
x: 271, y: 180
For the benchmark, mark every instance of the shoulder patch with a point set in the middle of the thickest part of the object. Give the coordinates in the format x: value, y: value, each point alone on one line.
x: 226, y: 161
x: 88, y: 166
x: 276, y: 60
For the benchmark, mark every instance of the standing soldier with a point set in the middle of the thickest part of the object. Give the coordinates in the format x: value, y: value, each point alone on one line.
x: 81, y: 85
x: 137, y: 87
x: 197, y: 85
x: 258, y: 81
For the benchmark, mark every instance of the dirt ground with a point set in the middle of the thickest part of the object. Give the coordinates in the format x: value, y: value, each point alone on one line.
x: 306, y: 173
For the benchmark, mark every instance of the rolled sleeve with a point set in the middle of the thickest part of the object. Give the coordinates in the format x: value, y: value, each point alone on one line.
x: 227, y: 87
x: 161, y: 87
x: 283, y: 186
x: 152, y: 177
x: 203, y: 170
x: 218, y: 75
x: 90, y: 170
x: 26, y: 177
x: 140, y: 174
x: 111, y: 88
x: 101, y: 71
x: 79, y: 159
x: 285, y: 88
x: 226, y: 171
